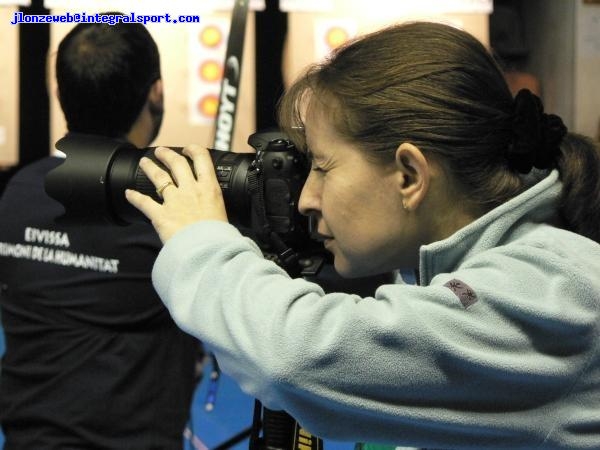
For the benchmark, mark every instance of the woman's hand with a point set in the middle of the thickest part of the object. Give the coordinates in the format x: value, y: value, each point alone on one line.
x: 186, y: 198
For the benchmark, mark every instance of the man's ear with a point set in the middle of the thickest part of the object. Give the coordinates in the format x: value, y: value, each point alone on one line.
x: 155, y: 96
x: 414, y: 175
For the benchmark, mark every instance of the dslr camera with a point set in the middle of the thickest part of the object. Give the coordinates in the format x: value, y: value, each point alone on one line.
x: 261, y: 190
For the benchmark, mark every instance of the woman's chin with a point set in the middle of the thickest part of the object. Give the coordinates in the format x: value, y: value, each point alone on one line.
x: 345, y: 269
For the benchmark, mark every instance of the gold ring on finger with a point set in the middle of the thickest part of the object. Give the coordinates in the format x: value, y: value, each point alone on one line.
x: 162, y: 187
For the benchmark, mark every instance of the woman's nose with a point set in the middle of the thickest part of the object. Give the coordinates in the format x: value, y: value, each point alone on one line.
x: 310, y: 197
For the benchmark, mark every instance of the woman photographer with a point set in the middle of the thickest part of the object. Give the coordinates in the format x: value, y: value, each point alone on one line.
x: 421, y: 159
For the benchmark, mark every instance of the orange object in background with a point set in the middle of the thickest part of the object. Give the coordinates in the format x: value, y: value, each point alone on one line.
x: 522, y: 80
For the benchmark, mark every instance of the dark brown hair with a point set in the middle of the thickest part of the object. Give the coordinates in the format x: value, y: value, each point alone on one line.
x: 579, y: 166
x: 440, y: 89
x: 104, y: 73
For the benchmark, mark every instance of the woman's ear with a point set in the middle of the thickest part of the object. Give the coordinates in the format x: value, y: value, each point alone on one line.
x: 414, y: 175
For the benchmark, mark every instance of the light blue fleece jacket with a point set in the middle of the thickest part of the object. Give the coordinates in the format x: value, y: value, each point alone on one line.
x: 498, y: 348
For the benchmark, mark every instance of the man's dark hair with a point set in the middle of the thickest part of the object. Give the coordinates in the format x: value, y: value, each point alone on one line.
x: 104, y: 73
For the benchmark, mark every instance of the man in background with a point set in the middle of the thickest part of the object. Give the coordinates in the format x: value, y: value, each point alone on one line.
x: 93, y: 359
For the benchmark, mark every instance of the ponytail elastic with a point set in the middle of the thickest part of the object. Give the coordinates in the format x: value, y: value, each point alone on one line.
x: 536, y: 135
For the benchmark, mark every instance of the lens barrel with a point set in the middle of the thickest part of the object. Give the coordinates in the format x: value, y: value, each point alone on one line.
x: 92, y: 180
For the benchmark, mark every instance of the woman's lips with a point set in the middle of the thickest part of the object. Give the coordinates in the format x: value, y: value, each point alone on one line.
x: 321, y: 237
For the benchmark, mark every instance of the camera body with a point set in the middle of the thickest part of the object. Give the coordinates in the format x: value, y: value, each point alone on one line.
x: 261, y: 189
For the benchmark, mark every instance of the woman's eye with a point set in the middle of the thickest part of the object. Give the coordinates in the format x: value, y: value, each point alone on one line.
x: 314, y: 167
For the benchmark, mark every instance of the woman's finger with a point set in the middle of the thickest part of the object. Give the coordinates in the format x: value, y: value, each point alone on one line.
x: 177, y: 164
x: 144, y: 203
x: 159, y: 177
x: 203, y: 163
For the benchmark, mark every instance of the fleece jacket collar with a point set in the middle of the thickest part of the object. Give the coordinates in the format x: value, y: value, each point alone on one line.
x: 536, y: 204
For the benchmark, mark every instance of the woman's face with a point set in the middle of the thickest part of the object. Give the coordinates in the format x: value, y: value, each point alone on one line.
x: 356, y: 204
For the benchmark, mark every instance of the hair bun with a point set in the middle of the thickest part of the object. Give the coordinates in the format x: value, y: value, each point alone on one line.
x: 536, y: 135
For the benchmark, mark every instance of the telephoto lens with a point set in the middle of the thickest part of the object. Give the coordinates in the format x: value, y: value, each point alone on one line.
x: 257, y: 187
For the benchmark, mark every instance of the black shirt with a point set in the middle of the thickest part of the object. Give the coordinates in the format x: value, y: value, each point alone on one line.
x: 93, y: 359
